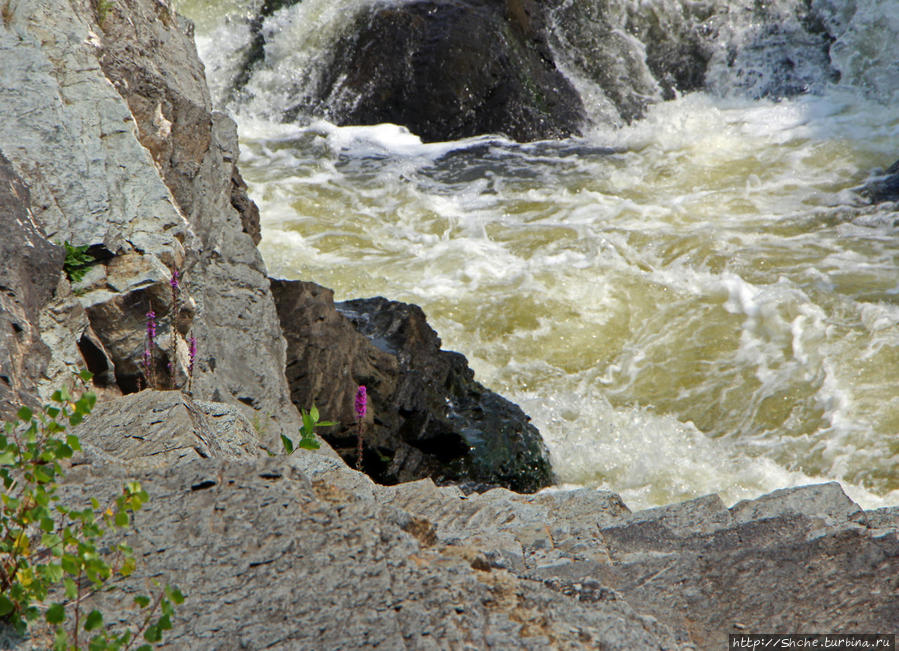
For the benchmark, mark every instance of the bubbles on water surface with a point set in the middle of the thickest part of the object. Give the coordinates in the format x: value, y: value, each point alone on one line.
x: 691, y: 303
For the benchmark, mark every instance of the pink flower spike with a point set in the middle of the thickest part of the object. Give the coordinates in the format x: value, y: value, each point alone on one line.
x: 174, y: 281
x: 192, y: 351
x: 361, y: 402
x: 151, y: 325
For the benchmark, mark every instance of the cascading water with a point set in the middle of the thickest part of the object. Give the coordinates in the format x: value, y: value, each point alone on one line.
x: 693, y: 301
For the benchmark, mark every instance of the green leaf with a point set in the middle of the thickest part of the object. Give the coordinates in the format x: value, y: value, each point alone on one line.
x: 175, y: 594
x: 6, y: 606
x: 85, y: 375
x: 288, y: 444
x: 51, y: 541
x: 122, y: 519
x: 128, y: 567
x: 55, y: 614
x: 314, y: 413
x: 53, y: 572
x: 153, y: 633
x: 94, y: 620
x: 326, y: 423
x: 308, y: 423
x: 142, y: 600
x: 73, y: 442
x: 25, y: 414
x: 76, y: 418
x: 144, y: 647
x: 7, y: 458
x: 70, y: 564
x: 309, y: 444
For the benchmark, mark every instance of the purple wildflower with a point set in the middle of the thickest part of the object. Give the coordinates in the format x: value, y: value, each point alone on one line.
x: 174, y: 280
x: 361, y: 402
x: 151, y: 326
x: 192, y: 352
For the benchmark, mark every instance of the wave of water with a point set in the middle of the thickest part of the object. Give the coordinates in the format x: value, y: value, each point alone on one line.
x: 695, y: 302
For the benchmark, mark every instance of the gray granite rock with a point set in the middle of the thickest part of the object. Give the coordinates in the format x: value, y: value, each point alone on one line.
x: 156, y: 429
x: 269, y: 557
x: 28, y: 279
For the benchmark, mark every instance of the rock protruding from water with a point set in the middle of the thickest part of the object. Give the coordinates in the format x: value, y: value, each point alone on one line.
x: 428, y: 416
x: 885, y: 188
x: 448, y: 70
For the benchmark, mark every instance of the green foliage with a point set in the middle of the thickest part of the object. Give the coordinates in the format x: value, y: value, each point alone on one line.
x: 103, y: 8
x: 51, y: 550
x: 307, y: 432
x: 77, y: 262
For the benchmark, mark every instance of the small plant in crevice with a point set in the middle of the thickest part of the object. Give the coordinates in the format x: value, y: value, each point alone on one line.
x: 103, y: 9
x: 77, y: 261
x: 50, y: 551
x: 360, y: 405
x: 307, y: 432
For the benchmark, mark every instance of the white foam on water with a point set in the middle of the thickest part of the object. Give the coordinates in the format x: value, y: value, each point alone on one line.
x: 685, y: 305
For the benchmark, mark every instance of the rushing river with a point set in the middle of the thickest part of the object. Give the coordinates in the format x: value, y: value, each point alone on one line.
x: 696, y: 302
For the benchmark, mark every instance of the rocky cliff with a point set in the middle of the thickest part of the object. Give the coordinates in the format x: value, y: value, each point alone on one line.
x: 109, y: 142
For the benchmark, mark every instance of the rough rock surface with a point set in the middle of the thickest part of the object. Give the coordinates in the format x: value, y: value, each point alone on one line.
x: 328, y: 568
x: 428, y: 417
x: 28, y: 278
x: 301, y: 551
x: 448, y: 70
x: 157, y: 429
x: 144, y: 172
x: 315, y: 554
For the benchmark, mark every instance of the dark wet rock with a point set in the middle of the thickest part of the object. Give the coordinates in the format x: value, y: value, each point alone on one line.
x: 885, y: 187
x: 447, y: 70
x: 428, y: 416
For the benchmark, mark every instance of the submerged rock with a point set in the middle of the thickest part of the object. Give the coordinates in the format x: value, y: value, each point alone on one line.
x: 428, y: 415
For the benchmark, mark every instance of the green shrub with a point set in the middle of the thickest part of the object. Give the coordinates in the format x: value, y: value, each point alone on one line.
x: 47, y: 548
x: 77, y: 262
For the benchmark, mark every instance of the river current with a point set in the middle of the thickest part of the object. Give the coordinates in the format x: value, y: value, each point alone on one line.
x: 695, y: 302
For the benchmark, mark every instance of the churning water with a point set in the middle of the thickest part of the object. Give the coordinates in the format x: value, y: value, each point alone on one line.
x: 696, y: 302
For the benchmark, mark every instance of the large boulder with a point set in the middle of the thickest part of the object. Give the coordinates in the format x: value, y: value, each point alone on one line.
x: 446, y: 70
x: 428, y: 416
